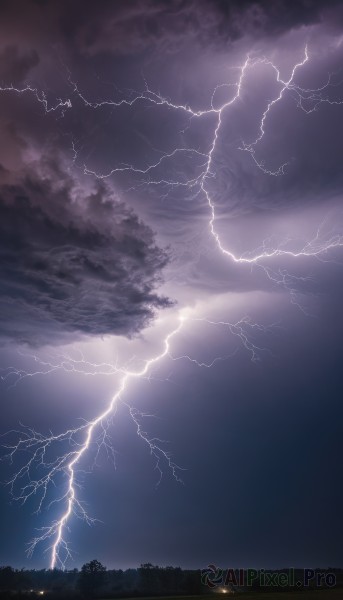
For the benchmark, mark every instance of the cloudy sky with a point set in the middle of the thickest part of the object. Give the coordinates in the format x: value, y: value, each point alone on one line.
x: 164, y: 160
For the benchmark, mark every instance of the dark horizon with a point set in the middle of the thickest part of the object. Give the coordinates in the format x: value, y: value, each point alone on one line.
x: 94, y: 580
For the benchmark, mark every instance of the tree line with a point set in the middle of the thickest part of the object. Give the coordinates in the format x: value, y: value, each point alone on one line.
x: 95, y: 580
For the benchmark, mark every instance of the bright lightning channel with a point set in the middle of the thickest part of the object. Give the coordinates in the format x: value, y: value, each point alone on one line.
x: 67, y: 463
x: 89, y: 431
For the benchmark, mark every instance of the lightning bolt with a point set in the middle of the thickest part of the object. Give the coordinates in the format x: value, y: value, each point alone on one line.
x: 307, y: 100
x: 79, y: 439
x: 40, y: 95
x: 38, y: 446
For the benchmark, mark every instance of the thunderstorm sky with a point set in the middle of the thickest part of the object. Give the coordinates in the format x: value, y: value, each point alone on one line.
x: 138, y: 141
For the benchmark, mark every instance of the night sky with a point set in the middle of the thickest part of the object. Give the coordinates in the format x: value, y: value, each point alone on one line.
x: 167, y: 170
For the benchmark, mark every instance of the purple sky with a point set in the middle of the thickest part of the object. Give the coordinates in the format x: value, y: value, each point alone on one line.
x: 123, y: 125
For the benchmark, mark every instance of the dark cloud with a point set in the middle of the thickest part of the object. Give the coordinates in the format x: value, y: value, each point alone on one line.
x: 262, y: 17
x: 165, y: 25
x: 123, y: 28
x: 73, y: 262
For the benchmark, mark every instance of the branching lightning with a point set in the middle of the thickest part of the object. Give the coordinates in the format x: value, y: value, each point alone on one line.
x: 79, y: 365
x: 307, y: 100
x: 60, y: 105
x: 79, y: 439
x: 66, y: 463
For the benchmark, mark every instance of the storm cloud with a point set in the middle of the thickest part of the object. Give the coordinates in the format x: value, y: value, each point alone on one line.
x: 73, y: 261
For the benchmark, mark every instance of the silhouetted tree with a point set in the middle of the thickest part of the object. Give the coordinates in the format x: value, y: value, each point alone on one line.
x: 192, y: 582
x: 172, y: 579
x: 149, y: 578
x: 92, y: 577
x: 7, y: 578
x: 12, y: 579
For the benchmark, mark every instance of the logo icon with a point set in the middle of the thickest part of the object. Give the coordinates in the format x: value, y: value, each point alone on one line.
x: 212, y: 576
